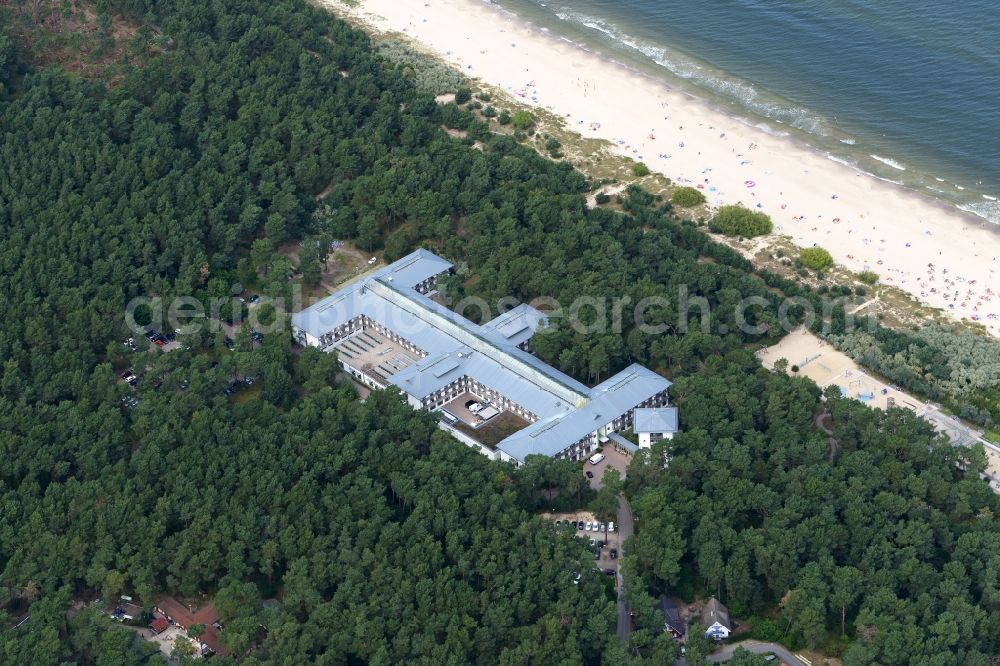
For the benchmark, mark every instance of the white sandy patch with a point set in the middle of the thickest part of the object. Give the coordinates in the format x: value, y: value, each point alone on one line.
x: 826, y: 366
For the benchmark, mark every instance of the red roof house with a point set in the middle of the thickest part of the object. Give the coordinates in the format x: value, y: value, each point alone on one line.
x: 183, y: 616
x: 159, y: 625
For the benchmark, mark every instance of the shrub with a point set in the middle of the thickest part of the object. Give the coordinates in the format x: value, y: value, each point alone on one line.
x: 816, y: 258
x: 639, y: 170
x: 522, y: 120
x: 552, y: 144
x: 602, y: 198
x: 484, y: 97
x: 489, y: 112
x: 428, y: 75
x: 463, y: 95
x: 868, y: 277
x: 687, y: 197
x: 736, y: 220
x: 504, y: 117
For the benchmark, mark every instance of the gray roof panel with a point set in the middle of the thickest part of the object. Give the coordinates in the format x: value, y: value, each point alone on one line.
x: 661, y: 419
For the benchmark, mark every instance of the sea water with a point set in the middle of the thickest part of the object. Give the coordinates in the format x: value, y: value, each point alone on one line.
x: 907, y: 90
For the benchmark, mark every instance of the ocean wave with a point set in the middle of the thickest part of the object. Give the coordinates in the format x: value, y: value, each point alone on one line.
x: 988, y: 210
x: 767, y: 129
x: 889, y: 162
x: 704, y: 76
x: 842, y: 160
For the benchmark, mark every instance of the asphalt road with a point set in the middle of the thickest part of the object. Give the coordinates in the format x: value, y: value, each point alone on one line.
x: 624, y: 532
x: 725, y: 653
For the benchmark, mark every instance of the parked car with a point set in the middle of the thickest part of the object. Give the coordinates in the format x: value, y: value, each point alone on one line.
x: 611, y: 527
x: 579, y: 525
x: 601, y: 527
x: 248, y: 381
x: 597, y: 554
x: 614, y: 553
x: 590, y: 474
x: 600, y: 544
x: 576, y: 581
x: 610, y: 572
x: 372, y: 260
x: 593, y: 543
x: 590, y: 526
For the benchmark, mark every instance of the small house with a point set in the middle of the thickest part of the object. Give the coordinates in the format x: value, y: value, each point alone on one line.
x: 653, y: 425
x: 672, y: 617
x: 159, y: 625
x: 184, y: 617
x: 715, y: 617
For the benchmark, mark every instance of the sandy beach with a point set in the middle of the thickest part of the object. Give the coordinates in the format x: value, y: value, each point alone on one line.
x: 944, y: 257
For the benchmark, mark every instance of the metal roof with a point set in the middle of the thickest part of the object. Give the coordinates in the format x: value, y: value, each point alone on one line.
x: 608, y: 400
x: 517, y: 325
x: 629, y: 446
x: 414, y: 268
x: 567, y: 410
x: 660, y: 419
x: 344, y: 305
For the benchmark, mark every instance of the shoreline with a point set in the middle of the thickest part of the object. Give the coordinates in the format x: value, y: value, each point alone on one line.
x: 769, y: 126
x: 943, y: 256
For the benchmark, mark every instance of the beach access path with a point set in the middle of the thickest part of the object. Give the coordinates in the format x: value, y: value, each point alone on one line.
x: 942, y: 256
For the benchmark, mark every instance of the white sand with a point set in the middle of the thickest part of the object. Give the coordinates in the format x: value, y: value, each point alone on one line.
x: 946, y: 258
x: 823, y: 364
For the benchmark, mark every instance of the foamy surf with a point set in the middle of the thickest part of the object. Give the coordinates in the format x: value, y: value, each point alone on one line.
x: 704, y: 76
x: 888, y: 162
x: 988, y: 210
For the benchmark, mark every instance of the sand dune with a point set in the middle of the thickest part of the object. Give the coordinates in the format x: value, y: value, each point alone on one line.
x: 946, y: 258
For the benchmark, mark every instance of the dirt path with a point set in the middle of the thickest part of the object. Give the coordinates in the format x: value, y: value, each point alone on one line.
x: 834, y: 443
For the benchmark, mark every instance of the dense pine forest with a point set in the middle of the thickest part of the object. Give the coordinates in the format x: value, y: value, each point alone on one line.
x: 179, y: 166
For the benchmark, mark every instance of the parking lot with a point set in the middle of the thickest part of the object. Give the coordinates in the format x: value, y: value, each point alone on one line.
x: 612, y: 458
x: 611, y: 539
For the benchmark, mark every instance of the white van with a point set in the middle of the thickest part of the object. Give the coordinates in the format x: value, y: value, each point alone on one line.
x: 596, y: 458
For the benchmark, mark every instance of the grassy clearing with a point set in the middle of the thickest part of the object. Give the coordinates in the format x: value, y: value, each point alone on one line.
x: 83, y: 38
